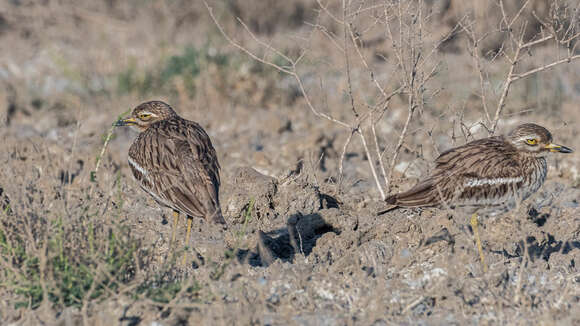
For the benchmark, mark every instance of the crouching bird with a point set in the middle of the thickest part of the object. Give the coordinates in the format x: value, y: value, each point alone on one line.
x: 487, y: 176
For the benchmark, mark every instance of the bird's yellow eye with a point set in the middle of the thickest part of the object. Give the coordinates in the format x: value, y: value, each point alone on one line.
x: 532, y: 141
x: 144, y: 116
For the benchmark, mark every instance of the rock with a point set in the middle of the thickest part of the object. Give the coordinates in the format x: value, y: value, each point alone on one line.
x: 251, y: 192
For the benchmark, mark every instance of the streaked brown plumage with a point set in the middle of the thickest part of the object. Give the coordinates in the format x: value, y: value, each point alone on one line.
x: 492, y: 172
x: 487, y: 176
x: 174, y: 161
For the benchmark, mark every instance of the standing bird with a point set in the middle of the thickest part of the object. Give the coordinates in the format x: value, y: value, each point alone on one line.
x: 174, y: 161
x: 489, y: 175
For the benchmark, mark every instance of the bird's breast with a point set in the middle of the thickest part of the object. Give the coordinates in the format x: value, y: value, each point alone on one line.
x: 535, y: 173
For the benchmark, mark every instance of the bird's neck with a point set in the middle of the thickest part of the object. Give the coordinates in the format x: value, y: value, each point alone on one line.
x: 531, y: 163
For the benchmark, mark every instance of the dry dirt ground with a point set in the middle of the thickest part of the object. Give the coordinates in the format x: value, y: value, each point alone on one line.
x: 81, y: 245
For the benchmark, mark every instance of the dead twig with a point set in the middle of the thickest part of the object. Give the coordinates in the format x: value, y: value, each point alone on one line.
x: 371, y: 164
x: 290, y: 71
x: 341, y: 162
x: 544, y: 67
x: 508, y: 80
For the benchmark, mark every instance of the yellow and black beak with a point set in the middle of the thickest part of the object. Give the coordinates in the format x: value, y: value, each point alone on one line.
x: 126, y: 122
x: 558, y: 148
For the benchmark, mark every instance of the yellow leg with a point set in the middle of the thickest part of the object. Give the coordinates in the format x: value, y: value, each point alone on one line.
x: 478, y: 240
x: 189, y: 221
x: 174, y: 228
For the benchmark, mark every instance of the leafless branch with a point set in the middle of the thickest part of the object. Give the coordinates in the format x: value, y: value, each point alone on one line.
x: 347, y: 61
x: 508, y: 80
x: 379, y: 153
x: 401, y: 139
x: 290, y: 71
x: 519, y: 45
x: 372, y: 164
x: 544, y: 67
x: 342, y: 155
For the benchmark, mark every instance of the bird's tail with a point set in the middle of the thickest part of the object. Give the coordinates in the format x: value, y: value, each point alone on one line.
x: 217, y: 217
x: 386, y: 210
x: 423, y: 194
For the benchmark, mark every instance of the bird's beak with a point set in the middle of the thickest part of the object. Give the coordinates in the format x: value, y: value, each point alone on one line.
x: 125, y: 122
x: 558, y: 148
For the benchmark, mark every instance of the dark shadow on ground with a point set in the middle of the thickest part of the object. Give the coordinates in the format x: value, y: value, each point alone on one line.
x: 541, y: 249
x: 299, y: 236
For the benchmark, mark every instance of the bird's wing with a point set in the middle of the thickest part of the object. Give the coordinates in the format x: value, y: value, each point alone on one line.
x: 188, y: 172
x: 486, y: 165
x: 202, y: 170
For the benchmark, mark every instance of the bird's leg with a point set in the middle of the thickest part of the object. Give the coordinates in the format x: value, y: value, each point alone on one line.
x: 474, y: 225
x: 174, y: 228
x: 187, y: 234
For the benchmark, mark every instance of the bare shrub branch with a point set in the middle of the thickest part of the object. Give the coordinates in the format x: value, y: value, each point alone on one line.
x: 290, y: 71
x: 403, y: 28
x: 517, y: 44
x: 403, y: 25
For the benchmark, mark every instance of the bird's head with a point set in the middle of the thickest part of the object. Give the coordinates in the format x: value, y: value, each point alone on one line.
x: 146, y: 114
x: 534, y: 140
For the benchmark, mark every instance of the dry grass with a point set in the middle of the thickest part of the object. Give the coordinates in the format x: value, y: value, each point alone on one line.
x: 340, y: 103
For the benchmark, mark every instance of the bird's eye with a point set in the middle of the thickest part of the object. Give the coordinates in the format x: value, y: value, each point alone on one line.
x: 532, y: 141
x: 144, y: 116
